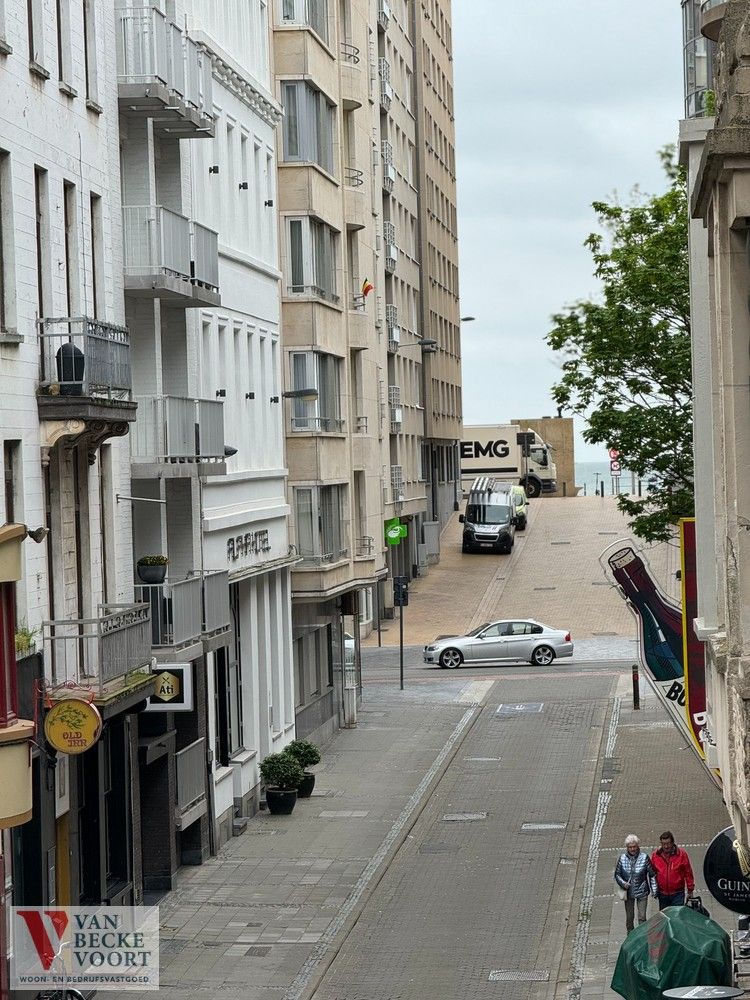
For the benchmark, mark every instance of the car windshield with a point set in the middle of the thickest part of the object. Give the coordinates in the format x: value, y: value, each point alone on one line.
x: 480, y: 628
x: 480, y: 513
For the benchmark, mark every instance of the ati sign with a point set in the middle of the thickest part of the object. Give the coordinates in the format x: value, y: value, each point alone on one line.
x: 485, y: 449
x: 174, y: 688
x: 726, y: 869
x: 88, y: 948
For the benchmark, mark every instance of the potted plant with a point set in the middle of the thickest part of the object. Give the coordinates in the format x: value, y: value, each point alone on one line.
x: 25, y: 639
x: 281, y: 774
x: 152, y: 569
x: 307, y: 755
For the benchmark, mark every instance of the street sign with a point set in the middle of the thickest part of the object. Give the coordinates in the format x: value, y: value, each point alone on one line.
x: 395, y: 531
x: 614, y: 453
x: 614, y: 467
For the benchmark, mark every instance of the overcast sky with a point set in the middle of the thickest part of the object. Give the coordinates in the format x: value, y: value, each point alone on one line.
x: 558, y: 103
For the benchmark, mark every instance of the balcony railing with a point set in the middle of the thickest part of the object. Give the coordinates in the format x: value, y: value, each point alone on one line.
x: 350, y: 53
x: 325, y: 425
x: 354, y: 177
x: 153, y: 51
x: 190, y: 764
x: 205, y: 246
x: 81, y: 356
x: 178, y: 429
x: 176, y: 611
x: 389, y: 170
x: 157, y: 240
x: 216, y: 612
x: 99, y: 653
x: 364, y: 547
x: 384, y: 14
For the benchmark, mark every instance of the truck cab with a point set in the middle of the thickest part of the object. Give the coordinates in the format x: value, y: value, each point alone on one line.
x: 489, y: 521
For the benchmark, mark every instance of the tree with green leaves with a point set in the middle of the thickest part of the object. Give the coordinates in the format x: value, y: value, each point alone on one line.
x: 626, y: 355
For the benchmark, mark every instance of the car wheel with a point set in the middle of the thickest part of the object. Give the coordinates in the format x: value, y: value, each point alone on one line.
x: 542, y: 656
x: 450, y: 659
x: 521, y: 525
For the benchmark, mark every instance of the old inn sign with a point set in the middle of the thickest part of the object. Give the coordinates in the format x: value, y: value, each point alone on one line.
x: 726, y: 869
x: 73, y: 725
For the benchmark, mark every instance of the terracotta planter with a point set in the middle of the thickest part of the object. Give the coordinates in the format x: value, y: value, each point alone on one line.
x: 306, y: 786
x: 281, y: 802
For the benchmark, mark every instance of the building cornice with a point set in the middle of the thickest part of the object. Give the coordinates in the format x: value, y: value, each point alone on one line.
x: 238, y: 82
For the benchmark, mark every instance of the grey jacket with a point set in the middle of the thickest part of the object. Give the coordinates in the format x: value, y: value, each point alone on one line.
x: 638, y: 871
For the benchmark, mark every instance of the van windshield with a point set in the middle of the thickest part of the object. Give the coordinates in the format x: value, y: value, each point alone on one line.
x: 480, y: 513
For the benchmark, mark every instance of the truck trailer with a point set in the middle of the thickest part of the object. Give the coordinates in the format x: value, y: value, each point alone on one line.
x: 498, y: 450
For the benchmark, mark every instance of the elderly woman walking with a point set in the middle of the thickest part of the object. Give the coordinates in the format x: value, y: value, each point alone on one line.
x: 636, y: 878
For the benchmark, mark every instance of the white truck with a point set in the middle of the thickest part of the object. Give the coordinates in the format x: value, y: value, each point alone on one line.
x: 494, y: 450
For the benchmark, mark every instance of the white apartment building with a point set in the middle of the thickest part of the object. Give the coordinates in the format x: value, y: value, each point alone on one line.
x: 238, y: 359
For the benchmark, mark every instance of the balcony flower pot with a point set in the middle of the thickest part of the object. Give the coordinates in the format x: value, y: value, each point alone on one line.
x: 152, y: 569
x: 281, y: 774
x: 307, y: 755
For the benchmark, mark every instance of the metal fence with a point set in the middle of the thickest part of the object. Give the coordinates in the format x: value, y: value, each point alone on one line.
x: 156, y: 240
x: 178, y: 429
x: 94, y: 652
x: 81, y: 356
x: 191, y: 774
x: 176, y: 610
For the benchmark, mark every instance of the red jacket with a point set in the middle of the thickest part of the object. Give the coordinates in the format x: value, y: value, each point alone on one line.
x: 673, y: 871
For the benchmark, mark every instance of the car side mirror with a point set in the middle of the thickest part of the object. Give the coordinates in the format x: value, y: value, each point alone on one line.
x: 461, y: 518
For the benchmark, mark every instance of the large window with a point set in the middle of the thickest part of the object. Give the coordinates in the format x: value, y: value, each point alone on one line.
x: 313, y: 13
x: 322, y: 523
x: 314, y: 370
x: 312, y: 258
x: 308, y: 125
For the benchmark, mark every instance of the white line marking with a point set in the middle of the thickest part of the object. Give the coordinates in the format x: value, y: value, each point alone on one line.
x: 317, y: 955
x: 609, y: 750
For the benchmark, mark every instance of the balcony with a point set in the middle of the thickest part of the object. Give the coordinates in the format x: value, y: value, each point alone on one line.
x: 364, y: 547
x: 394, y: 330
x: 384, y: 15
x: 216, y: 614
x: 397, y: 413
x: 181, y: 432
x: 169, y: 257
x: 386, y: 90
x: 176, y: 611
x: 109, y: 655
x: 357, y: 207
x: 389, y: 170
x: 190, y: 765
x: 318, y: 425
x: 162, y: 74
x: 397, y: 483
x: 712, y: 18
x: 84, y: 380
x: 391, y: 250
x: 352, y: 84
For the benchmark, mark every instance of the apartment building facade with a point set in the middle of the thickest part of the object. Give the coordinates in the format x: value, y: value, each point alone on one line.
x: 714, y: 151
x: 438, y: 251
x: 65, y: 380
x: 334, y: 361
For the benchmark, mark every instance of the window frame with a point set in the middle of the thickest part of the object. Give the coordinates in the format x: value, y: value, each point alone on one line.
x: 322, y: 371
x: 309, y: 134
x: 328, y: 512
x: 309, y: 239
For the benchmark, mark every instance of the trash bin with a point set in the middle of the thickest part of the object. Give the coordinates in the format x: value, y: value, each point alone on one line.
x: 676, y: 947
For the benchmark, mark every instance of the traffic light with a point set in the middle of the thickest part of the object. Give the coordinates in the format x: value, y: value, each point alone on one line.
x: 400, y: 591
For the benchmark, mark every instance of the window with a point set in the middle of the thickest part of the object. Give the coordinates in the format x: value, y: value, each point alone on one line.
x: 322, y: 523
x: 313, y: 13
x: 315, y: 370
x: 35, y: 28
x: 97, y: 254
x: 89, y: 45
x: 312, y: 258
x: 7, y: 245
x: 70, y: 215
x: 43, y: 261
x: 64, y: 54
x: 308, y: 125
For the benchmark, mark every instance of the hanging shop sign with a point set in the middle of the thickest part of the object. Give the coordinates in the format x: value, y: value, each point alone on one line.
x: 174, y: 689
x: 726, y: 869
x: 395, y: 531
x: 73, y: 725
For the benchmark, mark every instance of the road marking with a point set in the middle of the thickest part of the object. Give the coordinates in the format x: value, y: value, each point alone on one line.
x: 316, y: 956
x: 542, y: 826
x: 474, y: 693
x: 612, y: 735
x: 512, y: 976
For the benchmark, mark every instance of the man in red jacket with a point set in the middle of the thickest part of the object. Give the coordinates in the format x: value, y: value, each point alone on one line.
x: 673, y: 872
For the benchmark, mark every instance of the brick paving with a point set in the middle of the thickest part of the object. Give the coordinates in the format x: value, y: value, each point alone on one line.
x: 553, y: 574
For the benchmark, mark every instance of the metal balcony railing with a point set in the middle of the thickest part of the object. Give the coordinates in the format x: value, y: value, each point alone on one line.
x: 157, y: 241
x: 361, y: 424
x: 190, y: 763
x: 152, y: 49
x: 176, y: 611
x: 99, y: 653
x: 364, y: 546
x: 394, y: 395
x: 205, y: 247
x: 350, y: 53
x: 178, y: 429
x: 354, y: 177
x: 389, y: 169
x: 216, y: 612
x: 384, y: 14
x: 81, y: 356
x: 326, y: 425
x: 386, y: 90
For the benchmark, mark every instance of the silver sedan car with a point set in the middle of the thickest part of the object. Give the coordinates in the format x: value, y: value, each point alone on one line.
x: 505, y: 640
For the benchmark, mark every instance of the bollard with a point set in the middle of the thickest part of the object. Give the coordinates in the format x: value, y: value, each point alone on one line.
x: 636, y: 688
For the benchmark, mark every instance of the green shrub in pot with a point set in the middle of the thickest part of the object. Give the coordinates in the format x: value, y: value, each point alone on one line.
x: 281, y: 774
x: 308, y: 755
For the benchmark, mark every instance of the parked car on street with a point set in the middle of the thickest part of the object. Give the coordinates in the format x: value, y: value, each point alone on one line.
x: 505, y: 640
x: 489, y: 521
